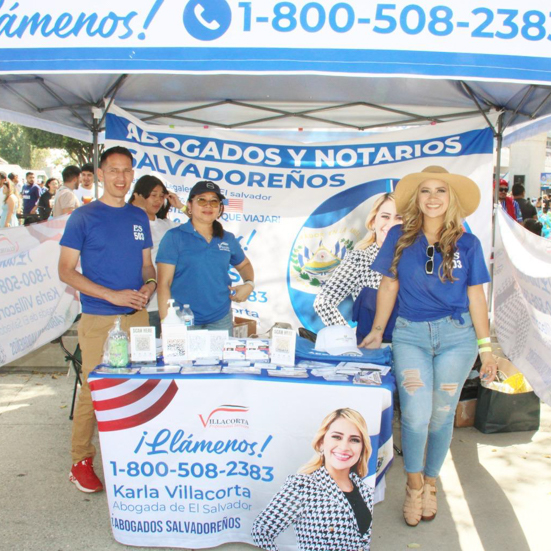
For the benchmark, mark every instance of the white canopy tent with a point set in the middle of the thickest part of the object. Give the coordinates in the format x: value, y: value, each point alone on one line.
x: 66, y: 103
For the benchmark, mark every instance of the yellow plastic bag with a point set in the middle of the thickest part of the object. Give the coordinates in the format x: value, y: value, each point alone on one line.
x: 517, y: 382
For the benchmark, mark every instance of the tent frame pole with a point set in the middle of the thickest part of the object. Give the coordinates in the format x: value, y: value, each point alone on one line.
x: 95, y: 132
x: 98, y: 117
x: 499, y: 142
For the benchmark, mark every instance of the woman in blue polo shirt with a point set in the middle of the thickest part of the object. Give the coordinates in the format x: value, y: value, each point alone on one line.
x: 437, y: 271
x: 194, y: 259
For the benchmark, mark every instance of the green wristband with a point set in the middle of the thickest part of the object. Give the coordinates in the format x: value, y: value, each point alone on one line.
x: 485, y: 340
x: 151, y: 280
x: 485, y: 349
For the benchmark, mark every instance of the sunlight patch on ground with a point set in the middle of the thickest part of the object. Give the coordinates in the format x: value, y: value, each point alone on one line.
x: 23, y: 392
x: 459, y: 508
x: 13, y: 407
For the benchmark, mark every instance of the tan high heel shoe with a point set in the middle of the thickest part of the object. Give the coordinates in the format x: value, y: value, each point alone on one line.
x: 413, y: 506
x: 429, y: 502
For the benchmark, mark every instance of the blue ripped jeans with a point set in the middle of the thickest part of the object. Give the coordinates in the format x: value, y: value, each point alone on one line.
x: 431, y: 362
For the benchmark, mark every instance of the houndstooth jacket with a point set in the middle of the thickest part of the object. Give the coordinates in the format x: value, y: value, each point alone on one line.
x: 349, y: 278
x: 318, y: 509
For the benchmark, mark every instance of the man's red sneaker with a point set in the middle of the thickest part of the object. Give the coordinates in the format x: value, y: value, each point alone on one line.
x: 83, y: 476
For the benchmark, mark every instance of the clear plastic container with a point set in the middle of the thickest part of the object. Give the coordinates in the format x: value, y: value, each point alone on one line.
x: 186, y: 316
x: 116, y: 346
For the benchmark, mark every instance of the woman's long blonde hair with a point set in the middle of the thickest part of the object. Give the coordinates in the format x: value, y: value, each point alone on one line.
x: 360, y: 468
x: 370, y: 236
x: 450, y: 233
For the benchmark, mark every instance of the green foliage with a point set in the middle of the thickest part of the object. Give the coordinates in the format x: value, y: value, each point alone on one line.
x: 80, y: 152
x: 14, y: 147
x: 18, y: 145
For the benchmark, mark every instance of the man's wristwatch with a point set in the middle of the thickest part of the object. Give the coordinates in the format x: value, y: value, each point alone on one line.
x: 249, y: 282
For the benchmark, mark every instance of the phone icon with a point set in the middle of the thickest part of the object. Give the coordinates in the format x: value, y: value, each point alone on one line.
x: 207, y: 19
x: 199, y: 10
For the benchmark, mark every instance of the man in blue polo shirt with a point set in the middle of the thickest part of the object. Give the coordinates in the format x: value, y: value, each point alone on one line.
x: 113, y: 242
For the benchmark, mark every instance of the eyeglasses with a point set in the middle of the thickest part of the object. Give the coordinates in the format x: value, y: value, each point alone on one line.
x: 202, y: 202
x: 117, y: 172
x: 503, y: 189
x: 431, y: 250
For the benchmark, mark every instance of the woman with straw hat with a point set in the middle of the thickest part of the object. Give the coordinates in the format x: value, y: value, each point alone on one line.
x: 437, y: 272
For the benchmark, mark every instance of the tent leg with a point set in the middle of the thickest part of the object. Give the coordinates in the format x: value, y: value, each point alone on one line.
x: 499, y: 143
x: 95, y: 132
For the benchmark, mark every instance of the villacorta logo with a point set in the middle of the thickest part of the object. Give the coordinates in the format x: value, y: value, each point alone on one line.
x: 226, y: 416
x: 6, y: 246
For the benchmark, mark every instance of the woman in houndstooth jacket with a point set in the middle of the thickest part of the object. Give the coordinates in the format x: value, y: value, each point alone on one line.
x: 328, y: 503
x: 354, y: 275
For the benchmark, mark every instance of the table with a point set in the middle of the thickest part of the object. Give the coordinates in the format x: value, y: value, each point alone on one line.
x: 190, y: 460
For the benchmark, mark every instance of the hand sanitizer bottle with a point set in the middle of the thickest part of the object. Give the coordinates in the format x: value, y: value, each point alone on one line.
x: 172, y: 317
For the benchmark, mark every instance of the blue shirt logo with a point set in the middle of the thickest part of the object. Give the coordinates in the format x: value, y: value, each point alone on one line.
x: 207, y: 19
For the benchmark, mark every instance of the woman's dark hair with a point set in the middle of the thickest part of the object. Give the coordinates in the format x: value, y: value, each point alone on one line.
x: 217, y: 229
x: 534, y: 226
x: 144, y: 186
x: 49, y: 181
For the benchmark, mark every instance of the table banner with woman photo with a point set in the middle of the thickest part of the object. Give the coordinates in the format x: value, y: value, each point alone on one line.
x: 298, y: 210
x: 191, y: 461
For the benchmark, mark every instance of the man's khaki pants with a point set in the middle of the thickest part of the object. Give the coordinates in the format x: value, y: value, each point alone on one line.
x: 92, y: 334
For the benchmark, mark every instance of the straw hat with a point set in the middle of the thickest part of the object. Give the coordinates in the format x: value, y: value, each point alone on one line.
x: 465, y: 189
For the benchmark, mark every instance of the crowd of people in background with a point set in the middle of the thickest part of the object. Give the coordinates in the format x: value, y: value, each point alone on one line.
x: 535, y: 217
x: 31, y: 201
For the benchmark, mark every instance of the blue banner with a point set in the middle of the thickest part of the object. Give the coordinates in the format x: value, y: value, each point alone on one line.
x: 494, y: 40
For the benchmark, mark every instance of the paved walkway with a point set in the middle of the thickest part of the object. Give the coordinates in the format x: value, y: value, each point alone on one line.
x: 495, y: 493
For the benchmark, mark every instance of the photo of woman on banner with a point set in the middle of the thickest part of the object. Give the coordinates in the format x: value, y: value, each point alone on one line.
x: 437, y: 272
x: 328, y: 503
x: 354, y: 275
x: 151, y: 195
x: 193, y: 262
